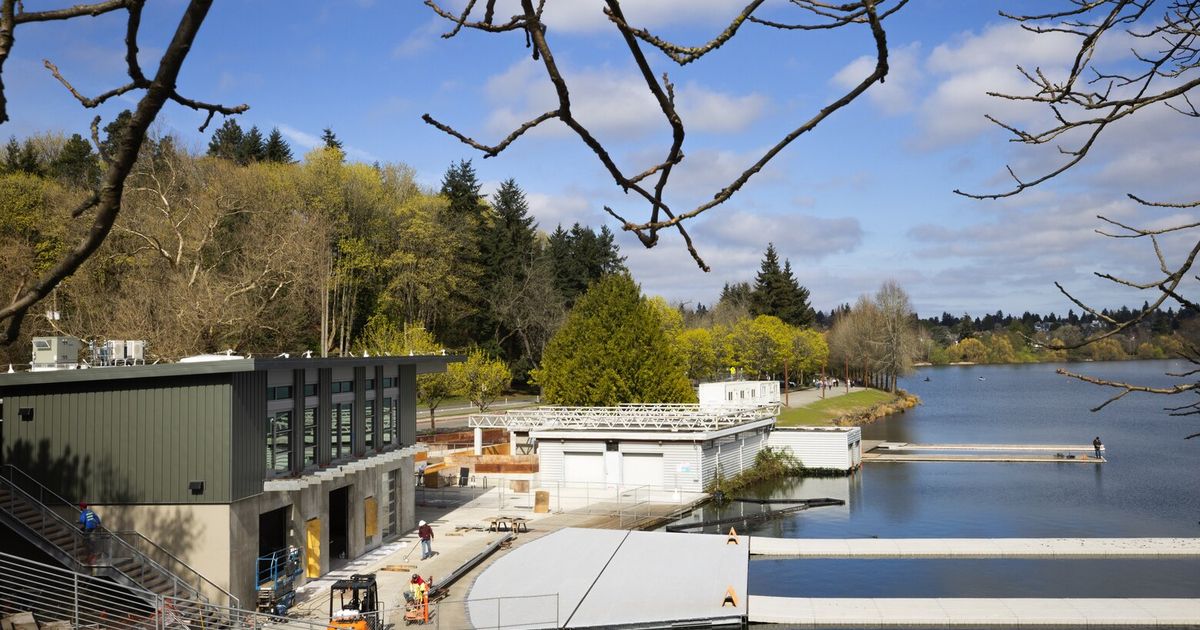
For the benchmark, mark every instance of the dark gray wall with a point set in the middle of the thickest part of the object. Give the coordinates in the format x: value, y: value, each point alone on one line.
x: 126, y: 441
x: 248, y: 450
x: 408, y: 404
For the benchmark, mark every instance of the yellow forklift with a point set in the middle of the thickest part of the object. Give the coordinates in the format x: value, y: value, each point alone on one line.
x: 354, y: 604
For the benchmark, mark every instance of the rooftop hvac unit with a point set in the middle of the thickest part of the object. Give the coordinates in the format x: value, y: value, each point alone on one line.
x: 55, y: 353
x: 123, y: 352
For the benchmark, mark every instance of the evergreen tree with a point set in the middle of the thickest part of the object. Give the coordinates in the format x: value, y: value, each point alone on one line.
x: 22, y: 157
x: 227, y: 142
x: 469, y: 214
x: 331, y: 140
x: 580, y: 256
x: 113, y: 132
x: 613, y: 349
x: 77, y: 164
x: 252, y: 148
x: 461, y: 187
x: 507, y: 252
x: 776, y: 292
x: 277, y: 149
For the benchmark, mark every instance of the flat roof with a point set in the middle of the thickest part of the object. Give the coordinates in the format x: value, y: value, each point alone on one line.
x: 631, y: 417
x: 590, y: 578
x: 424, y: 363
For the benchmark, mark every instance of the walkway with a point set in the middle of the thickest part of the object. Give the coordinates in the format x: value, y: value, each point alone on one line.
x: 973, y: 612
x: 974, y: 547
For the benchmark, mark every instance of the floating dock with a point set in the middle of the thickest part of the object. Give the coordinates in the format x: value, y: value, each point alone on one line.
x: 1011, y: 453
x: 975, y: 547
x: 973, y: 612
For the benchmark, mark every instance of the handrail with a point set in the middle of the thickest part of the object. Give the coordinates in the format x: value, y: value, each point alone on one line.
x: 135, y: 554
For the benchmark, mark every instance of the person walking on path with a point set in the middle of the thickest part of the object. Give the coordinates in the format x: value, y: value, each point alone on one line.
x: 1096, y: 444
x: 425, y: 532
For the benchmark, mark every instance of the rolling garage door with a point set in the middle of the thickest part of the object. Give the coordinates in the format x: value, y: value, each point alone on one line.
x: 583, y: 467
x: 642, y: 469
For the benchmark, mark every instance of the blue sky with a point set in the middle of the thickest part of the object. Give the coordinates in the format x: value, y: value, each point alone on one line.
x: 865, y: 197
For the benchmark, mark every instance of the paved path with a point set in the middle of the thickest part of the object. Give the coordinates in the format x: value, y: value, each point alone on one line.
x: 973, y: 612
x: 974, y: 547
x: 806, y: 397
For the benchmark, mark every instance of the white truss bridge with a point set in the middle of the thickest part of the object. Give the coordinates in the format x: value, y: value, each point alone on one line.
x: 628, y: 417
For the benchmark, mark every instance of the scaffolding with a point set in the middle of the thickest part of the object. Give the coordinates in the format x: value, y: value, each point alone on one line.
x: 629, y: 417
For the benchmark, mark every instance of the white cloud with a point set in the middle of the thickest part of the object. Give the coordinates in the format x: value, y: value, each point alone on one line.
x: 308, y: 141
x: 896, y: 94
x: 420, y: 39
x: 608, y: 101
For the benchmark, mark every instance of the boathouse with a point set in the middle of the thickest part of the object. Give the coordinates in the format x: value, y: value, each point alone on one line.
x: 219, y: 460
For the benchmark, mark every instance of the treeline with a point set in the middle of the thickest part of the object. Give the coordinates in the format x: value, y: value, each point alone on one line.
x: 1029, y: 338
x: 246, y: 249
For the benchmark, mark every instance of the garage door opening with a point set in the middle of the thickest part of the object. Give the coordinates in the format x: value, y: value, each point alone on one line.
x: 339, y: 525
x: 642, y: 469
x: 273, y: 530
x: 583, y: 467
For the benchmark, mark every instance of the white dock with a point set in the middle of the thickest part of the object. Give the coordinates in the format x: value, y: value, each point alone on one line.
x: 885, y: 452
x: 952, y: 612
x: 975, y: 547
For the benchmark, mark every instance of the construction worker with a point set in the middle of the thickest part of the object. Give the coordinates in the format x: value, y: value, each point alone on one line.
x: 417, y: 589
x: 89, y: 522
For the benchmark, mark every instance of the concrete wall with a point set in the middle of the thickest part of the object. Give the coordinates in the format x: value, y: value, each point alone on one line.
x: 821, y: 447
x: 199, y: 535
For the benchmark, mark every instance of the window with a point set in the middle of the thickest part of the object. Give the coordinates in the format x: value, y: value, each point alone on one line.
x: 310, y: 437
x: 279, y: 393
x: 388, y: 422
x: 310, y: 389
x: 341, y: 387
x: 389, y: 382
x: 340, y: 440
x: 369, y: 423
x: 279, y: 443
x: 370, y: 384
x: 730, y: 395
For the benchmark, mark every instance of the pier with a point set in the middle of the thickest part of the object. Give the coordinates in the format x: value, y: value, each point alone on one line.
x: 876, y: 451
x: 974, y: 547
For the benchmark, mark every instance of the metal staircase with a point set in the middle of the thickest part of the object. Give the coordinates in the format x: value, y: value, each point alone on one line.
x: 48, y: 521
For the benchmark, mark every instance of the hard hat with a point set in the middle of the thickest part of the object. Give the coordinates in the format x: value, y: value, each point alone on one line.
x: 421, y: 523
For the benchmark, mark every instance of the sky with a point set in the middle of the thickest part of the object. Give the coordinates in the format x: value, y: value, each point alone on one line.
x: 866, y: 197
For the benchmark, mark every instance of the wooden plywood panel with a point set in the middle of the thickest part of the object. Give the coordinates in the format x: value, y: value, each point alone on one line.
x: 312, y: 547
x: 370, y: 517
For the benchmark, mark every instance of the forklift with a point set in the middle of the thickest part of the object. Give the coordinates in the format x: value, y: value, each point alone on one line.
x: 354, y: 604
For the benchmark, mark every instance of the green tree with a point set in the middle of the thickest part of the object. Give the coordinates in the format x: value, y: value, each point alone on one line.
x: 699, y: 353
x: 228, y: 141
x: 113, y: 133
x: 580, y: 256
x: 612, y: 349
x: 381, y: 336
x: 776, y: 292
x: 277, y: 149
x: 809, y: 353
x: 970, y: 350
x: 330, y: 140
x: 1000, y: 350
x: 482, y: 379
x: 760, y: 346
x: 253, y: 148
x: 76, y: 164
x: 507, y: 250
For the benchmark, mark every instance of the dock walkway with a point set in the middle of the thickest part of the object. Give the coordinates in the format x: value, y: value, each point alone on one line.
x: 973, y: 612
x: 974, y: 547
x: 1011, y: 453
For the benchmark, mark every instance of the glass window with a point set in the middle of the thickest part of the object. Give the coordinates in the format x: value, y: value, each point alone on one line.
x: 310, y: 389
x: 389, y: 381
x: 279, y: 393
x: 369, y: 423
x: 340, y: 439
x: 341, y: 387
x: 310, y: 437
x: 370, y: 384
x: 279, y: 443
x: 387, y: 422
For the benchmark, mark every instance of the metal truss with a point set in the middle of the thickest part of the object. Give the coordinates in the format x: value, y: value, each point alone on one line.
x: 629, y: 417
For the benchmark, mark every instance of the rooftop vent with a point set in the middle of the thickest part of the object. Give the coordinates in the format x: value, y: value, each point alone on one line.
x: 55, y: 353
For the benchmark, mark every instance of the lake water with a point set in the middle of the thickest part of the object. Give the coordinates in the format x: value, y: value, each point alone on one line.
x: 1149, y: 487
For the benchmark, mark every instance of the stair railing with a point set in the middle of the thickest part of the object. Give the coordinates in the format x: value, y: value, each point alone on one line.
x: 85, y: 550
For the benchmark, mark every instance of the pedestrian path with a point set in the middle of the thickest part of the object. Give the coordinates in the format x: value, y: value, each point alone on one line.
x: 974, y: 547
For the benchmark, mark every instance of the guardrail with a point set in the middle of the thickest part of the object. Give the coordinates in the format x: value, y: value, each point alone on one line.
x: 103, y: 548
x: 528, y: 611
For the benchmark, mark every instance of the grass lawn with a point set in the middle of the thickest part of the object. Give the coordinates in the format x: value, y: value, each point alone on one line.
x: 822, y: 412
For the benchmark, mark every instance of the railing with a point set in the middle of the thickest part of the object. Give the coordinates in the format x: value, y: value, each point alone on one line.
x: 52, y: 594
x: 630, y: 505
x: 526, y: 611
x: 102, y: 548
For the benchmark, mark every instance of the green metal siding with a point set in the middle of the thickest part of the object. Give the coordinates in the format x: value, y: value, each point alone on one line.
x: 408, y: 404
x: 249, y: 429
x: 125, y: 441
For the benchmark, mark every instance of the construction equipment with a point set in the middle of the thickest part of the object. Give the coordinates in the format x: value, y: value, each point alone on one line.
x: 276, y: 581
x: 354, y: 604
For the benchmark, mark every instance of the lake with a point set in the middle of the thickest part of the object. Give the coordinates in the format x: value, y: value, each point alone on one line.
x: 1150, y: 487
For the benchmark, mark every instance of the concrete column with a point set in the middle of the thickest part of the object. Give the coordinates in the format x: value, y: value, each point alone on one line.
x: 512, y: 442
x: 479, y: 440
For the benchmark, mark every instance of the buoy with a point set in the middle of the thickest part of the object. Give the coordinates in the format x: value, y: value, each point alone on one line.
x: 730, y: 598
x: 732, y: 539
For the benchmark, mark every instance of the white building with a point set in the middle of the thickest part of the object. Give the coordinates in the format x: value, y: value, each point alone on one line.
x: 838, y: 448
